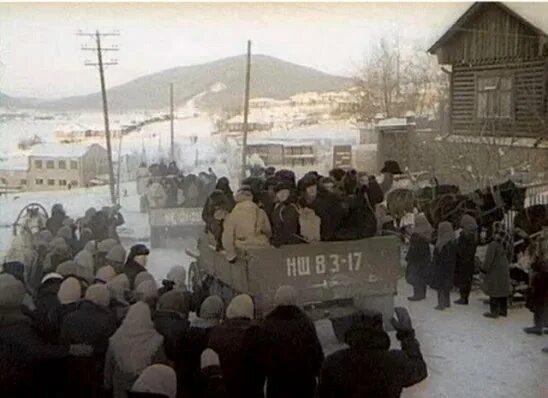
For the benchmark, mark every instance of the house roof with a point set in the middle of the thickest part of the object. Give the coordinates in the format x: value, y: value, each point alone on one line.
x: 533, y: 15
x: 61, y: 150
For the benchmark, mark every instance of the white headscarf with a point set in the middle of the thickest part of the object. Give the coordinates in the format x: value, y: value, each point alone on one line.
x: 118, y: 286
x: 209, y: 358
x: 177, y: 275
x: 136, y: 341
x: 241, y: 306
x: 157, y: 379
x: 286, y: 295
x: 98, y: 294
x: 70, y: 291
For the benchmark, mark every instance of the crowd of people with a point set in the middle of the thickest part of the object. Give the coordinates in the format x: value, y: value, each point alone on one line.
x: 166, y: 186
x: 97, y: 324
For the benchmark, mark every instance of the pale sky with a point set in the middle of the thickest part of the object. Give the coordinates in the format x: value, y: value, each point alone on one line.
x: 41, y: 54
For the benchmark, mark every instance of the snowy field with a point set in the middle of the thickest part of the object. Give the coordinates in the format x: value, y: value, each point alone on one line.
x: 467, y: 355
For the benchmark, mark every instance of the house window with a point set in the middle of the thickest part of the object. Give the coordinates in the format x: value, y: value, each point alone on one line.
x: 73, y: 164
x: 51, y: 182
x: 62, y: 164
x: 23, y: 182
x: 50, y: 164
x: 62, y: 183
x: 39, y: 181
x: 38, y: 164
x: 494, y: 97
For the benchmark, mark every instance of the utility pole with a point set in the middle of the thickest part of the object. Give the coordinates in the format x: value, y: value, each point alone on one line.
x: 246, y: 109
x: 97, y: 36
x: 171, y: 118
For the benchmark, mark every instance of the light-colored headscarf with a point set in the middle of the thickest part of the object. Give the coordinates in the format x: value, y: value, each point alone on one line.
x: 105, y: 274
x: 118, y: 286
x: 146, y: 290
x: 469, y: 224
x: 423, y: 227
x: 445, y: 234
x: 177, y: 275
x: 51, y: 275
x: 210, y: 314
x: 209, y: 358
x: 91, y: 247
x: 98, y: 294
x: 136, y: 341
x: 142, y: 277
x: 70, y: 291
x: 157, y: 379
x: 286, y: 295
x: 241, y: 306
x: 85, y: 262
x: 174, y: 300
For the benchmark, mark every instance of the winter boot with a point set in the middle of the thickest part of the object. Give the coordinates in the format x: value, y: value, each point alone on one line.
x: 491, y: 315
x: 461, y: 301
x: 533, y: 330
x: 415, y: 298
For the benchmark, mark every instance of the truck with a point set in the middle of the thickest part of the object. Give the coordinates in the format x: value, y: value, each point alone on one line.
x: 333, y: 279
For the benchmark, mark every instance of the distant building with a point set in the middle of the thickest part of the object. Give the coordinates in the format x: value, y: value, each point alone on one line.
x: 13, y: 174
x: 237, y: 124
x: 394, y: 137
x: 54, y: 166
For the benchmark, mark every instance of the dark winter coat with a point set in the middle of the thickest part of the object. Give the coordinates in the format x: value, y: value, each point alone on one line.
x: 45, y: 299
x: 55, y: 222
x: 113, y: 223
x: 55, y: 319
x: 369, y: 369
x: 537, y: 297
x: 24, y: 359
x: 131, y: 269
x: 359, y: 222
x: 292, y: 353
x: 100, y: 226
x: 285, y: 225
x: 212, y: 384
x: 443, y: 266
x: 89, y: 324
x: 466, y: 260
x: 237, y: 343
x: 419, y: 260
x: 174, y: 327
x: 329, y: 208
x: 496, y: 281
x: 197, y: 342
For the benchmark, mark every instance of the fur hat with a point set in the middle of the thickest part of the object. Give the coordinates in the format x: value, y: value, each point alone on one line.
x: 281, y: 185
x: 137, y: 250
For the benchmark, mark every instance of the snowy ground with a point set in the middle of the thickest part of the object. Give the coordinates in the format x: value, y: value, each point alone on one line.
x: 467, y: 355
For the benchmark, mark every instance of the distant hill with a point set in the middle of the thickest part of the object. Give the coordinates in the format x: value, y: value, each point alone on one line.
x: 13, y: 102
x: 223, y: 80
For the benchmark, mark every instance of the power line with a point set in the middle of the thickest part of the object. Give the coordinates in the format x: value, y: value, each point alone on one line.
x: 101, y: 64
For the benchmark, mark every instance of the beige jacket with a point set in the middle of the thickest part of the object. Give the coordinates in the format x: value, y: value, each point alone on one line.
x: 246, y: 227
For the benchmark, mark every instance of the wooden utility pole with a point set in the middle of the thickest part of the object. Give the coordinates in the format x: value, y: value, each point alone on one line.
x: 246, y: 109
x: 171, y: 118
x: 97, y: 35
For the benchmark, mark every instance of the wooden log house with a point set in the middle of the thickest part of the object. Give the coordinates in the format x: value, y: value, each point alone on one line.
x: 497, y: 56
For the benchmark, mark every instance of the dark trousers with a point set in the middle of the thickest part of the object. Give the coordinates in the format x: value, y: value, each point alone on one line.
x: 444, y: 299
x: 419, y: 290
x: 541, y: 316
x: 465, y: 293
x: 498, y: 305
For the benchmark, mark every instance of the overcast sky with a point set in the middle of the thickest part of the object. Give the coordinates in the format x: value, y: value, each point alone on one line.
x: 41, y: 54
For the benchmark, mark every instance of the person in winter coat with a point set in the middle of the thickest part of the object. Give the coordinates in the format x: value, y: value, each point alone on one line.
x: 59, y: 253
x: 66, y: 233
x: 443, y: 267
x: 103, y: 248
x: 24, y: 356
x: 285, y: 218
x: 86, y: 264
x: 237, y: 341
x: 92, y: 323
x: 70, y: 292
x: 45, y: 297
x: 496, y: 266
x: 114, y: 220
x: 360, y: 221
x: 132, y: 348
x: 209, y: 316
x: 136, y: 262
x: 171, y: 321
x: 147, y: 292
x: 368, y: 368
x: 224, y: 185
x: 99, y: 226
x: 246, y: 227
x: 466, y: 258
x: 212, y: 382
x: 156, y: 381
x: 105, y: 274
x: 214, y: 214
x: 119, y: 290
x: 292, y: 353
x: 537, y: 297
x: 419, y: 259
x: 55, y: 222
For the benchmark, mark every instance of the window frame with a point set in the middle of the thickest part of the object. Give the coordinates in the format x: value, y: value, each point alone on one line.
x: 62, y: 162
x: 38, y: 162
x: 62, y: 183
x: 52, y: 162
x: 495, y: 74
x: 38, y: 181
x: 51, y: 182
x: 75, y: 163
